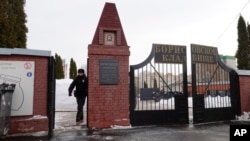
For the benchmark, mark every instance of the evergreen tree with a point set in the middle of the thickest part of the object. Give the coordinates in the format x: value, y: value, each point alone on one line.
x: 243, y: 46
x: 72, y: 69
x: 248, y: 31
x: 12, y: 24
x: 59, y: 67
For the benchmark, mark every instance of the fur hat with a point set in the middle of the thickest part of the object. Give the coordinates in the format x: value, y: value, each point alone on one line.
x: 80, y: 71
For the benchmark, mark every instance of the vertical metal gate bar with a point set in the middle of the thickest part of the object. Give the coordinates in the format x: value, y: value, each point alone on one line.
x: 163, y: 85
x: 222, y: 89
x: 204, y: 80
x: 143, y: 86
x: 148, y: 85
x: 138, y: 90
x: 151, y: 103
x: 157, y: 69
x: 218, y: 87
x: 171, y: 83
x: 225, y: 88
x: 152, y: 62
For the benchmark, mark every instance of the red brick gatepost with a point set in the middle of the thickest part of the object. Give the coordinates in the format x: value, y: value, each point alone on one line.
x: 108, y: 73
x: 244, y: 82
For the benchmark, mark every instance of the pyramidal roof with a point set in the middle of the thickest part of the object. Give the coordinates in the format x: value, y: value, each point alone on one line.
x: 109, y: 21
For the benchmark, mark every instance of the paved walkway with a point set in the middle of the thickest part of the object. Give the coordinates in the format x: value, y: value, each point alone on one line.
x: 211, y: 132
x: 208, y: 132
x: 67, y: 130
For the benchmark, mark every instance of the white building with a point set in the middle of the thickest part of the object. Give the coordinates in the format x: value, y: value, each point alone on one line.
x: 230, y: 61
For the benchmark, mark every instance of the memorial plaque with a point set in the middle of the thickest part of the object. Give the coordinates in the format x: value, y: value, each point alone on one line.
x: 109, y: 71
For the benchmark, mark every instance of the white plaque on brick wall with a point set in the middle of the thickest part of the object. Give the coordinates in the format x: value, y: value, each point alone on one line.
x: 20, y: 73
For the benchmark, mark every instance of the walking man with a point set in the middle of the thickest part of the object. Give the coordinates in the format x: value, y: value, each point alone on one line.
x: 80, y: 83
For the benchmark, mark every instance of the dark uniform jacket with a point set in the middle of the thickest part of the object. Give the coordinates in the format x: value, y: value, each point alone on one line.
x: 81, y: 85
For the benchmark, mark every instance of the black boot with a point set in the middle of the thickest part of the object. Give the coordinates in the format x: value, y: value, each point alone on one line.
x: 78, y: 117
x: 81, y: 116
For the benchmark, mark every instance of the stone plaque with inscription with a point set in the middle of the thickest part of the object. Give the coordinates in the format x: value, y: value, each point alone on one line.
x: 109, y: 72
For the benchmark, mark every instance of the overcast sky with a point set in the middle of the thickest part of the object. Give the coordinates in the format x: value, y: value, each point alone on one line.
x: 67, y: 27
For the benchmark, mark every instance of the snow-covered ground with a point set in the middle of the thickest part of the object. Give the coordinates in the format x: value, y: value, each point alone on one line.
x: 169, y: 104
x: 65, y: 115
x: 64, y: 102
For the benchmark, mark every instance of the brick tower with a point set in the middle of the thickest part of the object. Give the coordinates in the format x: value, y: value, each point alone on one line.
x: 108, y: 73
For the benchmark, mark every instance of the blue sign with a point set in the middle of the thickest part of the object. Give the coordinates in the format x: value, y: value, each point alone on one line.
x: 29, y: 74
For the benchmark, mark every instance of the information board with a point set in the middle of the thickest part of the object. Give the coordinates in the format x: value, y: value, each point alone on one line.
x: 20, y: 73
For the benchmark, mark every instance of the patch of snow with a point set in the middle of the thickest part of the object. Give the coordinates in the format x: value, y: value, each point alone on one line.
x: 218, y: 101
x: 41, y: 133
x: 109, y: 138
x: 169, y: 102
x: 38, y: 117
x: 120, y: 127
x: 213, y: 102
x: 64, y: 102
x: 190, y: 102
x: 35, y: 134
x: 123, y: 119
x: 35, y: 117
x: 244, y: 117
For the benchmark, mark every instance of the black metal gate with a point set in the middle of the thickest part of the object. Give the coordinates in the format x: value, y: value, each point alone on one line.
x: 158, y: 87
x: 215, y: 87
x: 51, y: 96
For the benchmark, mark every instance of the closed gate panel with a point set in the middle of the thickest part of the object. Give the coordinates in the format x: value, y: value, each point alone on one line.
x: 158, y: 91
x: 213, y: 88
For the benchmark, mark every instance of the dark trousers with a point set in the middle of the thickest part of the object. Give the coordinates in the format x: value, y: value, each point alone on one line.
x: 80, y: 103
